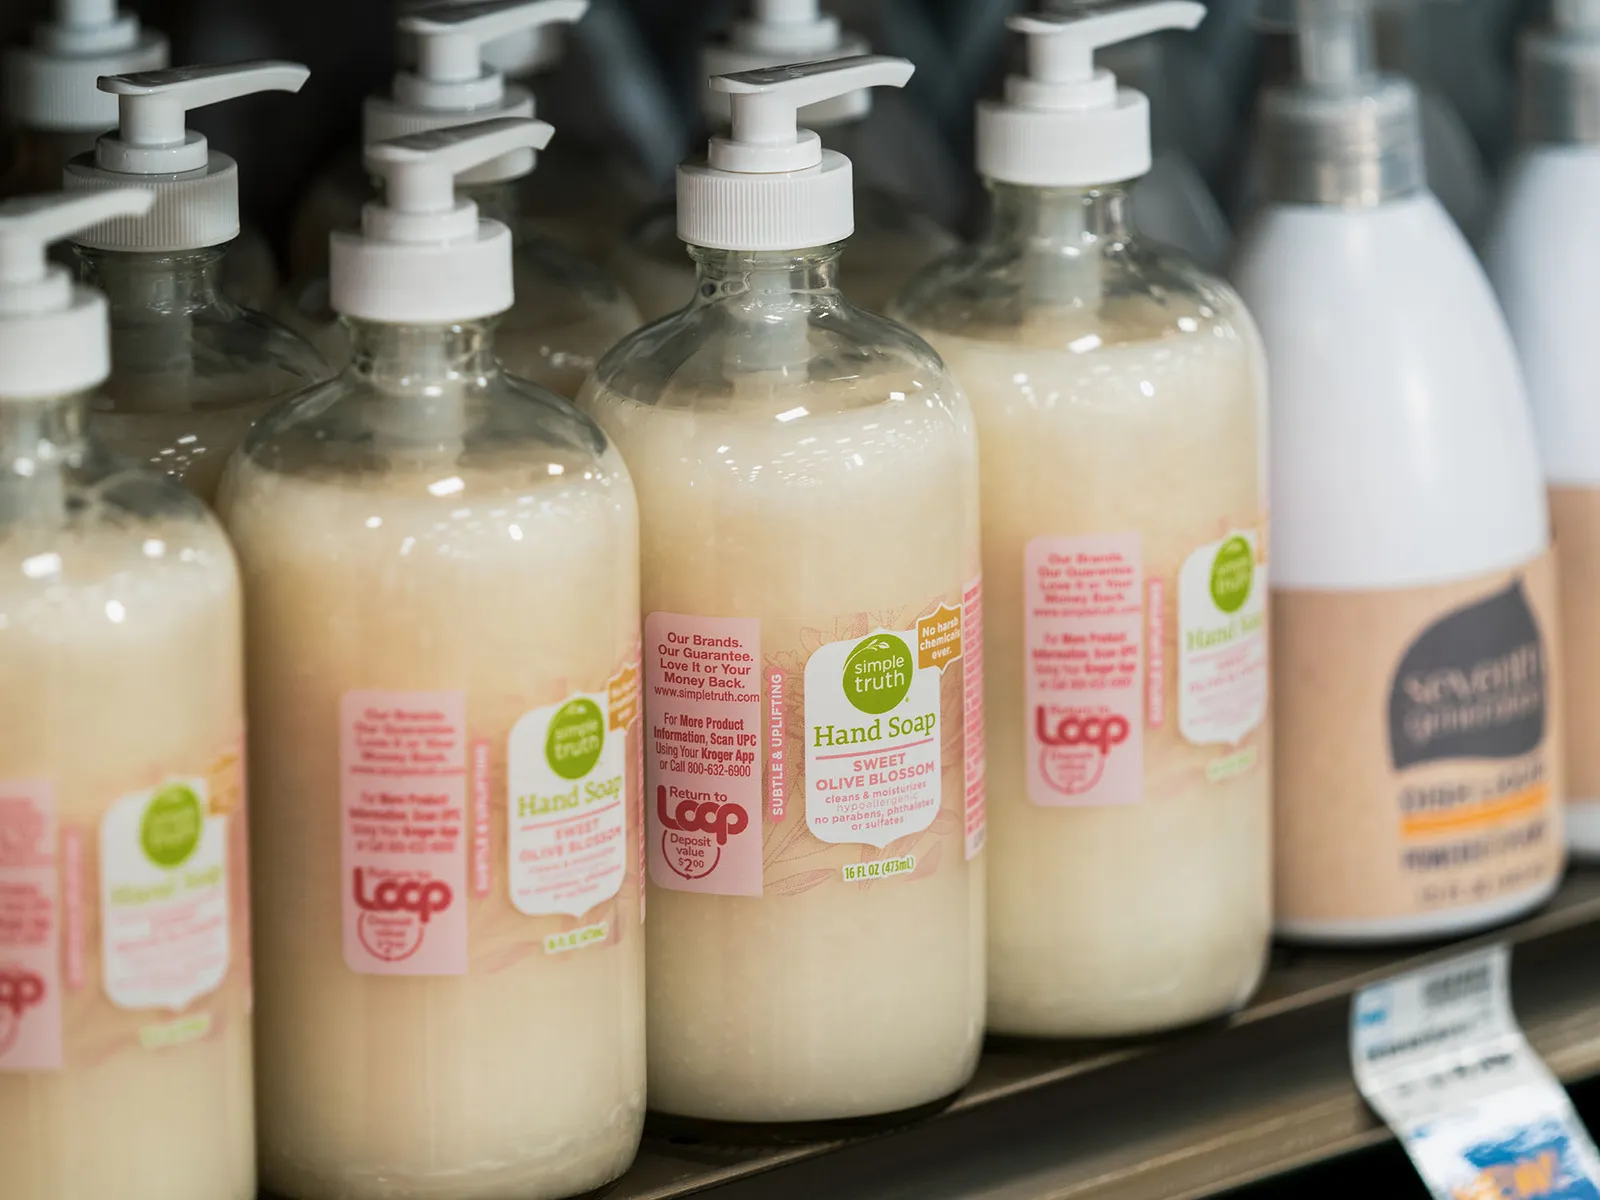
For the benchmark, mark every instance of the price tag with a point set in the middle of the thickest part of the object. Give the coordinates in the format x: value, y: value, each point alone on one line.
x: 1439, y: 1056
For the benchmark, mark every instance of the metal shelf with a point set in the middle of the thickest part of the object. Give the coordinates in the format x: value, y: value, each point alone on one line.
x: 1185, y: 1116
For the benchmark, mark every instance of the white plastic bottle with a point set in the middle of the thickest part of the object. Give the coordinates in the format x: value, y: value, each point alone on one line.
x: 124, y: 897
x: 1120, y: 398
x: 893, y: 237
x: 1543, y: 252
x: 807, y: 479
x: 441, y: 569
x: 1419, y: 776
x: 567, y: 312
x: 190, y: 369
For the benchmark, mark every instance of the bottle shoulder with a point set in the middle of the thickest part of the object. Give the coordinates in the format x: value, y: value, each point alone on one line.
x: 1123, y: 294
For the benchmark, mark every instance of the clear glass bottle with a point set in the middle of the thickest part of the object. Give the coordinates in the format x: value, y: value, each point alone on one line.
x: 1119, y: 399
x: 434, y: 549
x: 191, y: 369
x: 567, y: 314
x: 807, y: 479
x: 893, y: 239
x: 122, y: 801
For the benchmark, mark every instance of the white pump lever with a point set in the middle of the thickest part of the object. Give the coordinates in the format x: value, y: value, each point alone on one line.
x: 451, y: 37
x: 152, y: 136
x: 28, y: 226
x: 419, y: 170
x: 766, y: 137
x: 1061, y: 46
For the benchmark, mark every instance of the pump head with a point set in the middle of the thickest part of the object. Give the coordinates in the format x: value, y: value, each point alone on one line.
x: 50, y: 85
x: 1561, y: 77
x: 55, y: 337
x: 196, y: 189
x: 1344, y: 135
x: 450, y: 85
x: 1066, y: 123
x: 775, y: 33
x: 424, y: 257
x: 768, y: 184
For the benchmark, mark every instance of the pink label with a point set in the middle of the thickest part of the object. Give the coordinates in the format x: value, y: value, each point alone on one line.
x: 482, y: 846
x: 72, y: 907
x: 30, y: 930
x: 702, y: 773
x: 777, y: 729
x: 1084, y: 619
x: 1155, y: 641
x: 972, y: 714
x: 403, y: 791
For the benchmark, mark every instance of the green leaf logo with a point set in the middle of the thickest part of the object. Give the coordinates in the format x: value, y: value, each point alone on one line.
x: 170, y: 829
x: 1231, y: 574
x: 877, y: 674
x: 577, y: 731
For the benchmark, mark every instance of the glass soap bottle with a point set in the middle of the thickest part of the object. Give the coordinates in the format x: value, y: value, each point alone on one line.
x: 125, y: 1047
x: 191, y: 370
x: 1119, y: 397
x: 807, y: 477
x: 441, y: 568
x: 567, y: 312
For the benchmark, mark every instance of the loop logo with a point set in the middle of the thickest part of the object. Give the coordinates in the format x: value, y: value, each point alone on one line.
x: 691, y: 826
x: 395, y: 912
x: 20, y: 990
x: 1076, y: 744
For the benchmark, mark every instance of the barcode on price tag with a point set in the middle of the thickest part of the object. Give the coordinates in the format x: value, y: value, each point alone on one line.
x: 1439, y: 1056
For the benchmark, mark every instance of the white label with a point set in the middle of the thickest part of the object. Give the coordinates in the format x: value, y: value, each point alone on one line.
x: 164, y: 897
x: 1222, y: 641
x: 872, y: 740
x: 1438, y: 1054
x: 567, y: 805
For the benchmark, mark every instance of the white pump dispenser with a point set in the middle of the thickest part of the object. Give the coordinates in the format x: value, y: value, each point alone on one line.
x: 50, y: 84
x: 424, y: 257
x: 196, y: 190
x: 1066, y: 123
x: 779, y: 32
x: 450, y: 82
x: 54, y: 336
x: 768, y: 184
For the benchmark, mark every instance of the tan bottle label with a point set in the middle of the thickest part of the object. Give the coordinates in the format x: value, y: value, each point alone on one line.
x: 1420, y: 768
x: 1575, y: 520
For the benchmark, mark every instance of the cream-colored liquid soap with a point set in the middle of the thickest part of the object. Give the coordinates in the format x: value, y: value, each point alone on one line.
x: 807, y: 478
x: 892, y: 238
x: 1119, y: 395
x: 441, y: 569
x: 124, y: 900
x: 191, y: 370
x: 567, y: 312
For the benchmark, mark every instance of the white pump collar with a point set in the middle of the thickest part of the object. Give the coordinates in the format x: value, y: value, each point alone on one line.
x: 424, y: 257
x: 54, y: 337
x: 769, y: 185
x: 1066, y: 123
x: 50, y: 85
x: 196, y: 191
x: 451, y: 85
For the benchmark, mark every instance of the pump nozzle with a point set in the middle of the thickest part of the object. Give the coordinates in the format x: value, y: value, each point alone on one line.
x: 1066, y: 123
x: 54, y: 337
x: 779, y: 32
x: 768, y: 184
x: 50, y: 85
x: 1335, y: 42
x: 424, y: 257
x: 153, y: 137
x: 450, y: 83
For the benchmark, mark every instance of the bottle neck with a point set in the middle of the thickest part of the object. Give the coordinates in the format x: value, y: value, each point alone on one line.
x: 425, y: 376
x: 1061, y: 235
x: 41, y: 443
x: 768, y: 298
x: 143, y: 284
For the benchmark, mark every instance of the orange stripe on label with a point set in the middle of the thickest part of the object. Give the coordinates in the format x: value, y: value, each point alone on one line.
x: 1486, y: 812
